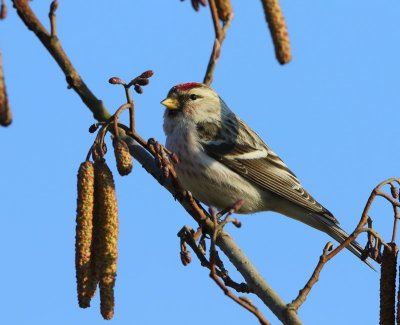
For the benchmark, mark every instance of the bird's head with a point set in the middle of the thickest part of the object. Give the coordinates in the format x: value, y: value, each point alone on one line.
x: 193, y: 102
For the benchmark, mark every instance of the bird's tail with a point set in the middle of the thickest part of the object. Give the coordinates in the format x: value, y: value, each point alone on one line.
x: 325, y: 222
x: 340, y: 235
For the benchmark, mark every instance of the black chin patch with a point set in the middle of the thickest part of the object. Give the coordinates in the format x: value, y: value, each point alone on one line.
x: 174, y: 112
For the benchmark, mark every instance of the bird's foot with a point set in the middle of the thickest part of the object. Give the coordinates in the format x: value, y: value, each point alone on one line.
x: 163, y: 158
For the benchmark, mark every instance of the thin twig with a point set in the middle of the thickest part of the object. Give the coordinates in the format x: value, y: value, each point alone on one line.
x: 116, y: 116
x: 395, y: 222
x: 296, y: 303
x: 220, y: 34
x: 375, y: 235
x: 52, y: 17
x: 364, y: 217
x: 389, y: 198
x: 213, y: 274
x: 188, y: 238
x: 299, y: 300
x: 215, y: 18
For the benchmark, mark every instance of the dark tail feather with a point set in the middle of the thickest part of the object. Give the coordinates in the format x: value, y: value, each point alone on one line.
x: 340, y: 235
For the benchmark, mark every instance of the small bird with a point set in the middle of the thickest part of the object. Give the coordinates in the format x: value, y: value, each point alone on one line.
x: 222, y: 160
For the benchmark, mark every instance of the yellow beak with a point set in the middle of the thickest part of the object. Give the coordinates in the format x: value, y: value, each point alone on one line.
x: 170, y: 103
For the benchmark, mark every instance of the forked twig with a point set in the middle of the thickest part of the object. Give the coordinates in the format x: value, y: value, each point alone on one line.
x: 326, y: 257
x: 186, y: 235
x: 242, y: 301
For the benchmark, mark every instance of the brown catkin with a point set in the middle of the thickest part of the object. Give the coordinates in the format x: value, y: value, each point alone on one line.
x: 86, y: 283
x: 122, y: 156
x: 398, y: 303
x: 5, y: 110
x: 278, y: 29
x: 224, y: 8
x: 388, y: 285
x: 3, y: 10
x: 106, y: 216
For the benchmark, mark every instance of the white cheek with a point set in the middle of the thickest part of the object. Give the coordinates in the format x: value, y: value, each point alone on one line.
x: 204, y: 112
x: 191, y: 109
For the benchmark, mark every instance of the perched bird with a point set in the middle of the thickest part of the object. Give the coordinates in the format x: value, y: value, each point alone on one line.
x: 222, y: 160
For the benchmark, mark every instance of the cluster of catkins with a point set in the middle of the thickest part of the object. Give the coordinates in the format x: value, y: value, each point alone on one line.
x: 97, y: 229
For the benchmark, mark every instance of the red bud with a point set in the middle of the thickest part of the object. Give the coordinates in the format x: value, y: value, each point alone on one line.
x: 142, y: 81
x: 93, y: 128
x: 147, y: 74
x: 138, y: 89
x: 115, y: 81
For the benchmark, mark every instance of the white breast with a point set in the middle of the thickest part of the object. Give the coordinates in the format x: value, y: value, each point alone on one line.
x: 207, y: 179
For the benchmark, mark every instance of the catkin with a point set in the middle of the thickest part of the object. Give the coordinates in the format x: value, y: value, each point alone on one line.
x: 122, y: 156
x: 5, y: 110
x: 278, y: 29
x: 388, y: 285
x: 3, y: 10
x: 398, y: 304
x: 106, y: 216
x: 86, y: 282
x: 224, y: 8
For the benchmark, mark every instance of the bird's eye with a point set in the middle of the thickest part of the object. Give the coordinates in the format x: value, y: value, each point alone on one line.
x: 193, y: 96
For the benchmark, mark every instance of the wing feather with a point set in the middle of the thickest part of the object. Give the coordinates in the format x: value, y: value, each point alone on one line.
x: 266, y: 170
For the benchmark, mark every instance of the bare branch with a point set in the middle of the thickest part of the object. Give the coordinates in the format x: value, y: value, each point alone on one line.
x: 389, y: 198
x: 245, y: 303
x: 220, y: 34
x: 325, y: 257
x: 296, y: 303
x: 364, y: 217
x: 53, y: 45
x: 225, y: 242
x: 215, y: 18
x: 186, y: 235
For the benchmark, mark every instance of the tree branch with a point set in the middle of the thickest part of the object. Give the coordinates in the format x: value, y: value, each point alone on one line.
x: 52, y: 44
x: 220, y: 34
x: 255, y: 282
x: 325, y: 257
x: 187, y: 237
x: 286, y: 313
x: 225, y: 242
x: 244, y: 302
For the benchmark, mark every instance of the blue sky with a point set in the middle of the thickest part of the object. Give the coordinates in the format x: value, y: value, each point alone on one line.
x: 331, y: 114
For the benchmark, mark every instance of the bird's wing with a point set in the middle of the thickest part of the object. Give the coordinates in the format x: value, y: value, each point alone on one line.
x: 247, y: 155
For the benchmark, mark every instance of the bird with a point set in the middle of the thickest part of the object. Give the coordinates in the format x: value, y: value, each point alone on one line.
x: 222, y: 160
